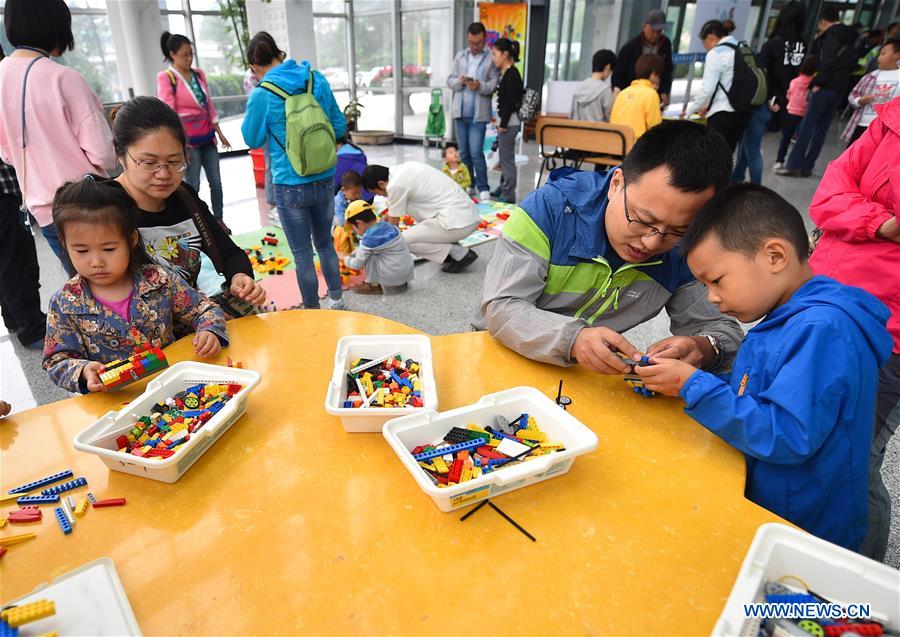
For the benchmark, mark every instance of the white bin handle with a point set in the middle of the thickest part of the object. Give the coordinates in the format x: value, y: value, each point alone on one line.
x: 505, y: 476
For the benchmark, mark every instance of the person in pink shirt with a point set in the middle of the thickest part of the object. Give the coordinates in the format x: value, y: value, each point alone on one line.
x: 185, y: 90
x: 66, y: 134
x: 797, y: 101
x: 856, y: 208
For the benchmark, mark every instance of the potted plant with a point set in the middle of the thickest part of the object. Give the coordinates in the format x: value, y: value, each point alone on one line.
x: 352, y: 113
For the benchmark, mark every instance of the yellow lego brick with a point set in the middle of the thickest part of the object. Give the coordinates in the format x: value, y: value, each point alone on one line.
x: 405, y: 390
x: 2, y: 522
x: 466, y: 474
x: 367, y: 384
x: 476, y: 472
x: 473, y: 427
x: 551, y: 446
x: 430, y: 467
x: 82, y: 506
x: 531, y: 434
x: 144, y: 438
x: 20, y: 615
x: 15, y: 539
x: 493, y: 442
x: 11, y: 496
x: 130, y: 437
x: 531, y: 423
x: 439, y: 465
x: 53, y: 634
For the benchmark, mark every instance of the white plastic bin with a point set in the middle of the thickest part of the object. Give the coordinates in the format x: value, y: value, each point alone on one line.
x: 372, y: 419
x: 838, y: 575
x: 407, y: 432
x: 99, y: 439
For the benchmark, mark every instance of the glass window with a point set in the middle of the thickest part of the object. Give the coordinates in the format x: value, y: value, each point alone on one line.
x: 204, y: 5
x: 427, y: 54
x: 171, y: 5
x: 87, y: 4
x: 174, y: 23
x: 328, y: 6
x: 331, y: 51
x: 373, y: 44
x: 217, y: 49
x: 94, y: 56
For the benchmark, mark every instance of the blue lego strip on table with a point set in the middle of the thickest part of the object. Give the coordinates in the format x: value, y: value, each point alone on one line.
x: 443, y: 451
x: 38, y: 499
x: 63, y: 521
x: 7, y: 631
x: 43, y: 482
x: 66, y: 486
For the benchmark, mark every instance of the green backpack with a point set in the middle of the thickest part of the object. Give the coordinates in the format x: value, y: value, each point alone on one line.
x: 308, y: 132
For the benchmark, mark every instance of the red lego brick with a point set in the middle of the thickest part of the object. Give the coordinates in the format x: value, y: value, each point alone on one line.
x: 110, y: 502
x: 456, y: 470
x: 122, y: 441
x: 867, y: 630
x: 2, y: 551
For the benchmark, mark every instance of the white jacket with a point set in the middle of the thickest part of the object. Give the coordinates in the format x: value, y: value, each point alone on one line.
x: 718, y: 69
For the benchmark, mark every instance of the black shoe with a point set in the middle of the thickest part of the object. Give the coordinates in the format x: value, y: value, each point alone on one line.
x: 784, y: 172
x: 458, y: 266
x: 496, y: 192
x: 809, y: 174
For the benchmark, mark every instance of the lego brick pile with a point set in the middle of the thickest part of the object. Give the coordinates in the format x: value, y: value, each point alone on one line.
x: 171, y: 424
x: 466, y: 454
x: 384, y: 382
x: 831, y: 623
x: 148, y: 360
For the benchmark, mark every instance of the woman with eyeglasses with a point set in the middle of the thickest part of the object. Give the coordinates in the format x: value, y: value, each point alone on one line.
x: 151, y: 146
x: 52, y: 127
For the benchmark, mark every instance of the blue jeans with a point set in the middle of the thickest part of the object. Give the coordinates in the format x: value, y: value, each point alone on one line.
x: 270, y: 191
x: 306, y: 211
x: 813, y: 129
x: 207, y: 157
x: 49, y: 232
x: 470, y: 137
x: 749, y: 152
x: 791, y: 122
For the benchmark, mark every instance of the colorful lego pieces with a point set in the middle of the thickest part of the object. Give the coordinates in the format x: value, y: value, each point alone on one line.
x: 145, y: 362
x: 66, y: 486
x: 384, y: 382
x: 63, y: 520
x: 170, y: 424
x: 27, y: 613
x: 31, y: 486
x: 270, y: 239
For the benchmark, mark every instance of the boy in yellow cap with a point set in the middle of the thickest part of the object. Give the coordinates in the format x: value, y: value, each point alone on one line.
x: 382, y: 251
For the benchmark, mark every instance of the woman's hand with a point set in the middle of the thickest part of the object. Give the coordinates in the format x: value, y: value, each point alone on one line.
x: 224, y: 141
x: 244, y: 287
x: 206, y: 344
x: 502, y: 130
x: 889, y: 230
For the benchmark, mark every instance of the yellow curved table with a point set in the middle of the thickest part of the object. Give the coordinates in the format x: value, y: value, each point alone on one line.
x: 290, y: 525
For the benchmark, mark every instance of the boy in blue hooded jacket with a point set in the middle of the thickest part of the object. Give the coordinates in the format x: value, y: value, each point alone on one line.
x: 800, y: 400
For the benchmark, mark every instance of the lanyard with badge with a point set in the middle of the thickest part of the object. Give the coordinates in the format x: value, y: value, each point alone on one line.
x: 24, y: 176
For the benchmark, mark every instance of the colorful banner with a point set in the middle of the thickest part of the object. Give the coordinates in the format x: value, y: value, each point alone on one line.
x: 505, y: 21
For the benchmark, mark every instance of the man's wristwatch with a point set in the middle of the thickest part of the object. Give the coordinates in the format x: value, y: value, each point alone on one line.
x: 716, y: 348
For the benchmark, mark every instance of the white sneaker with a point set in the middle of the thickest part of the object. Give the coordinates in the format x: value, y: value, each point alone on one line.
x: 331, y: 304
x: 484, y: 195
x: 274, y: 217
x: 778, y: 165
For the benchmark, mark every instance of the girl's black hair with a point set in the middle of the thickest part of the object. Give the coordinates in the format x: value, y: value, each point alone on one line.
x: 809, y: 65
x: 43, y: 24
x: 790, y: 22
x: 505, y: 45
x: 170, y: 44
x: 262, y: 49
x: 140, y: 116
x: 97, y: 200
x: 713, y: 27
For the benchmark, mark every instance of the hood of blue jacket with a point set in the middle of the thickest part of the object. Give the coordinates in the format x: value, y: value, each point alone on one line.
x: 379, y: 234
x: 866, y: 311
x: 289, y: 75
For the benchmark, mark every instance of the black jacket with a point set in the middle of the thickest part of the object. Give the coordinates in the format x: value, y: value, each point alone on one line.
x: 780, y: 59
x: 837, y: 57
x: 623, y: 73
x: 509, y: 95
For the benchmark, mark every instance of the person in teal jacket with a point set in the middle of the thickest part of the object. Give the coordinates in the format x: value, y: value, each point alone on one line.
x: 800, y: 400
x: 305, y: 203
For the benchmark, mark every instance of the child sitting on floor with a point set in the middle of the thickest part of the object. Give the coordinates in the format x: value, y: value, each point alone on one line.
x: 454, y: 168
x: 351, y: 190
x: 382, y: 252
x: 800, y: 400
x: 118, y: 294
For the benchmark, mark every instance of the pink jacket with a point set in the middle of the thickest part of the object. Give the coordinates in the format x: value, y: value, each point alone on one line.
x: 858, y: 193
x: 182, y: 99
x: 66, y: 132
x: 798, y: 95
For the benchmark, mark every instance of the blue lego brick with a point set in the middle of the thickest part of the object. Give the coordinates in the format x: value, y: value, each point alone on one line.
x: 63, y: 520
x: 38, y: 499
x: 7, y: 631
x: 193, y: 414
x: 469, y: 444
x: 66, y: 486
x: 43, y: 482
x: 216, y: 407
x: 196, y: 389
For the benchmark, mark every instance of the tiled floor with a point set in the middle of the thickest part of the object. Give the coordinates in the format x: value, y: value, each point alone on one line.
x: 436, y: 303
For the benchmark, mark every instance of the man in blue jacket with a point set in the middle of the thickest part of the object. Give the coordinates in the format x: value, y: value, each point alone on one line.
x: 305, y: 203
x: 800, y: 401
x: 589, y: 256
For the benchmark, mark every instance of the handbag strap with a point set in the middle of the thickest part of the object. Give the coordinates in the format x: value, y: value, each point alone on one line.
x: 24, y: 85
x: 203, y: 228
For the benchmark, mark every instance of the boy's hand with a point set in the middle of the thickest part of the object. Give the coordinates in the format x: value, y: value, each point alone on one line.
x: 244, y: 287
x: 91, y: 374
x: 5, y: 408
x: 665, y: 375
x: 595, y: 348
x: 866, y: 99
x: 206, y: 344
x: 694, y: 350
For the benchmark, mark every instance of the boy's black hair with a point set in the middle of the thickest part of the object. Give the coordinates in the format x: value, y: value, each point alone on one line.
x: 601, y: 59
x: 696, y: 156
x: 350, y: 178
x: 141, y: 116
x: 476, y: 28
x: 372, y: 175
x: 830, y: 14
x: 809, y: 65
x: 648, y: 64
x: 743, y: 217
x: 446, y: 146
x: 100, y: 201
x: 42, y: 24
x: 365, y: 215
